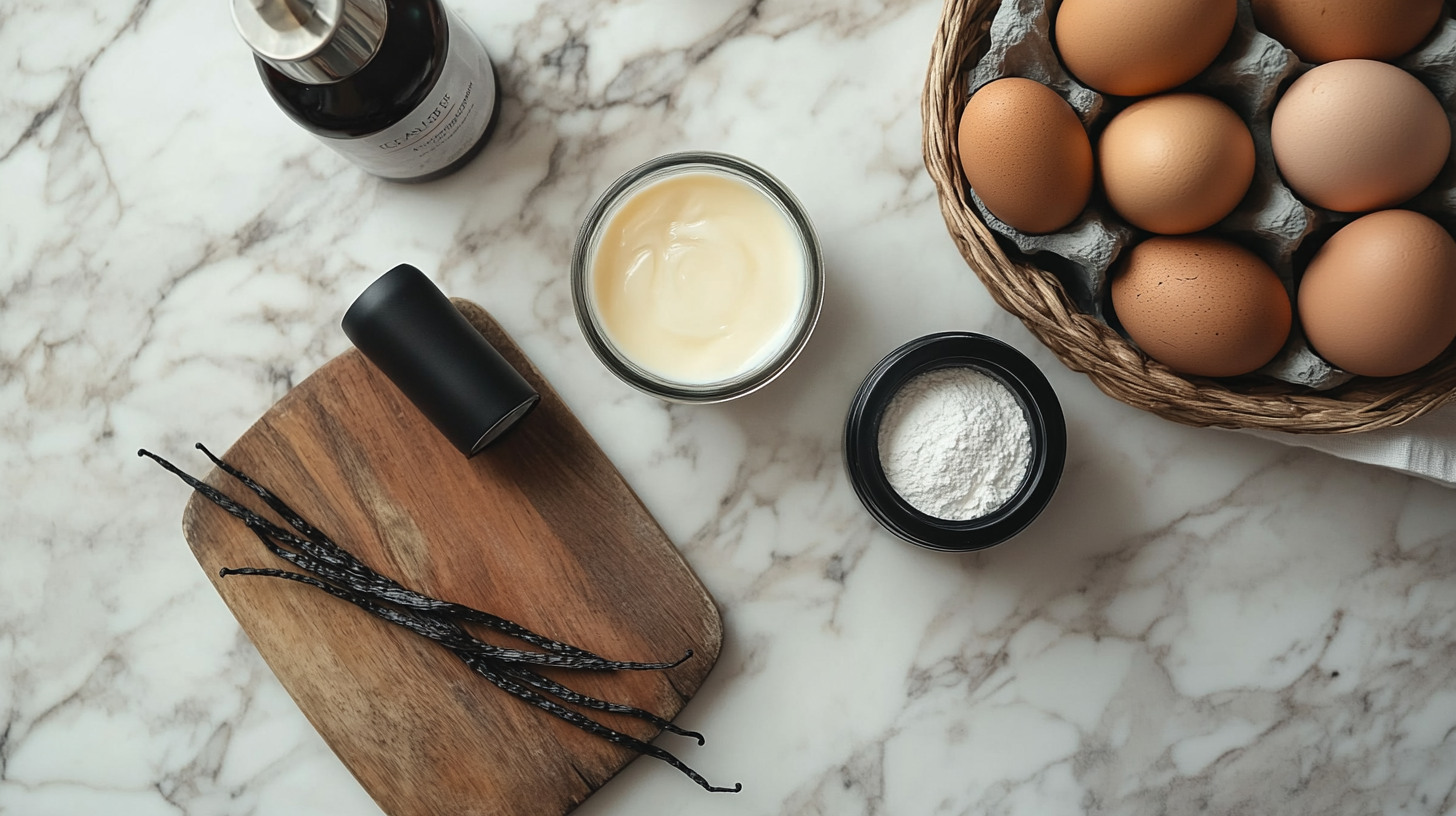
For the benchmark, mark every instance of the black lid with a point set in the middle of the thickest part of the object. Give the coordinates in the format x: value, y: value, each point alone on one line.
x: 407, y: 327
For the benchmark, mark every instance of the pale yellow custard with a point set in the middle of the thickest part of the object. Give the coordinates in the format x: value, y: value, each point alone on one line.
x: 698, y: 277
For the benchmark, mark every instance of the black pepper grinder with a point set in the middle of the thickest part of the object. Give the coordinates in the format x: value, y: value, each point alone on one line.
x: 401, y: 88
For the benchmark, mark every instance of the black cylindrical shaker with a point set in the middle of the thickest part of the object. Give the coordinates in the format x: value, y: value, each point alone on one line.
x: 407, y: 327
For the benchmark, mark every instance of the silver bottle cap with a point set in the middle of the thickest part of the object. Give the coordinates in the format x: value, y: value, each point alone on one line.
x: 312, y: 41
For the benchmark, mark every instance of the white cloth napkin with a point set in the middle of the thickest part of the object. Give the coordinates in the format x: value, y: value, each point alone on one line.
x: 1424, y: 447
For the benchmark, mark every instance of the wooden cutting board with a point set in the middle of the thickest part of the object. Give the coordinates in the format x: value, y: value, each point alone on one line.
x: 539, y: 528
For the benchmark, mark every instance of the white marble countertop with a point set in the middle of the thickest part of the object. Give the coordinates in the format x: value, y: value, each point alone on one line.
x: 1199, y: 622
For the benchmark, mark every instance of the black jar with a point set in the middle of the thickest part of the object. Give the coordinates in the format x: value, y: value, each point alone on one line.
x: 401, y: 88
x: 1002, y: 363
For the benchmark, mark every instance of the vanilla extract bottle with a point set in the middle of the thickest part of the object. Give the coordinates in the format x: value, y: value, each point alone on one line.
x: 401, y: 88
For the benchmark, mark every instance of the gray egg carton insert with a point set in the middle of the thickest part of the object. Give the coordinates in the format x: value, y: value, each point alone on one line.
x: 1248, y: 76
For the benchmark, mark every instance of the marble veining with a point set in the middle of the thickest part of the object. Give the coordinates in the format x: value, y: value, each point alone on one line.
x: 1200, y: 622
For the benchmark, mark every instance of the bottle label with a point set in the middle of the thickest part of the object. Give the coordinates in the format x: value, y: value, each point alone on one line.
x: 444, y: 127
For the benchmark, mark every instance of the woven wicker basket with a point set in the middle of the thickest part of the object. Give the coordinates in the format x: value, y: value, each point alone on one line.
x: 1084, y: 344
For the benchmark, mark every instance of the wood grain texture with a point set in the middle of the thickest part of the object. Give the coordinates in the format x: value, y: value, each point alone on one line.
x: 539, y: 528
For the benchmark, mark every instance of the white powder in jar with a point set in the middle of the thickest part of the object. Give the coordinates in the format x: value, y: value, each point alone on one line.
x: 955, y: 443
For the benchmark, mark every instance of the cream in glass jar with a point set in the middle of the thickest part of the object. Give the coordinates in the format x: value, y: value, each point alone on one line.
x: 697, y: 278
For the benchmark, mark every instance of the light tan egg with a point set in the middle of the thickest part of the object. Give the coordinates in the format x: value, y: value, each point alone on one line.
x: 1176, y: 163
x: 1026, y: 154
x: 1379, y: 298
x: 1201, y: 305
x: 1358, y: 135
x: 1140, y: 47
x: 1329, y: 30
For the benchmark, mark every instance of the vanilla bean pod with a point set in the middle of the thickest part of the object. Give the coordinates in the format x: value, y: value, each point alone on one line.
x: 490, y: 671
x: 321, y: 547
x: 383, y: 589
x: 443, y: 631
x: 494, y: 669
x: 455, y: 638
x: 508, y: 669
x: 565, y: 694
x: 222, y: 499
x: 288, y: 514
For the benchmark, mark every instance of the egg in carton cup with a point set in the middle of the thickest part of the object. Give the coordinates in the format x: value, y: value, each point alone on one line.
x: 1248, y: 75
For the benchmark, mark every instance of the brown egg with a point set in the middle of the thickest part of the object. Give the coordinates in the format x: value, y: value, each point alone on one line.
x: 1026, y: 154
x: 1201, y: 305
x: 1329, y: 30
x: 1379, y: 298
x: 1140, y: 47
x: 1177, y: 163
x: 1359, y: 135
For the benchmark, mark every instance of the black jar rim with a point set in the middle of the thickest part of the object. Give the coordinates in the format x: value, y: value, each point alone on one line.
x: 955, y: 350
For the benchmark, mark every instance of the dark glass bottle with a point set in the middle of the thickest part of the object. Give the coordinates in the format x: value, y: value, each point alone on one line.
x: 401, y: 87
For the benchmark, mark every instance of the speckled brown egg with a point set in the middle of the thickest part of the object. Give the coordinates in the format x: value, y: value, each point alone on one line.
x: 1379, y: 298
x: 1140, y: 47
x: 1026, y: 154
x: 1201, y: 305
x: 1176, y: 163
x: 1358, y: 135
x: 1329, y: 30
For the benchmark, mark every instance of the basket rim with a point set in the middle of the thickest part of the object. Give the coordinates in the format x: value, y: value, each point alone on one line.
x: 1088, y: 346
